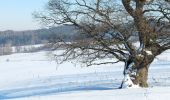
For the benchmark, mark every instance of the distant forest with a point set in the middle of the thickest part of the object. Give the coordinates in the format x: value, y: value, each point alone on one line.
x: 29, y: 37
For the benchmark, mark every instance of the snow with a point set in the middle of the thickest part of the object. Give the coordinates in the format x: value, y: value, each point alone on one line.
x: 35, y: 76
x: 127, y: 82
x: 148, y: 52
x: 26, y: 48
x: 126, y: 94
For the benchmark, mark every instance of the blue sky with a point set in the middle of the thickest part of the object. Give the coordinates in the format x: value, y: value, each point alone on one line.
x: 17, y: 14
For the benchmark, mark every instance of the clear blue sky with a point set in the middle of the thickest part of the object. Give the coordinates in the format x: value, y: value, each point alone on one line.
x: 17, y: 14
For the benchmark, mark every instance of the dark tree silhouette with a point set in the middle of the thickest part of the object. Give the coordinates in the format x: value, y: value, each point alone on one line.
x: 111, y: 27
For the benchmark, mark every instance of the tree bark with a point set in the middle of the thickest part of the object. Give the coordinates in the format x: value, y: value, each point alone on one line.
x: 142, y: 77
x: 137, y: 70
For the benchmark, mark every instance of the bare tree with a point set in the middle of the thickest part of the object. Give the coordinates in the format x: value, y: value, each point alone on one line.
x: 110, y: 26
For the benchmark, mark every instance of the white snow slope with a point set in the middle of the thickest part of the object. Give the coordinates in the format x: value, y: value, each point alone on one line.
x: 35, y: 76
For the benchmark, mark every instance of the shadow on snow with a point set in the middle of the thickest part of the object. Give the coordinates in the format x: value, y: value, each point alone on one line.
x: 62, y: 85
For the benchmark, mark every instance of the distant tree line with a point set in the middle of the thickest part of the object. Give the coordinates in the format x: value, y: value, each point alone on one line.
x: 40, y: 36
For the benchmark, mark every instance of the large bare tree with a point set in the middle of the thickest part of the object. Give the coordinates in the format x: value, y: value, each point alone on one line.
x: 114, y: 28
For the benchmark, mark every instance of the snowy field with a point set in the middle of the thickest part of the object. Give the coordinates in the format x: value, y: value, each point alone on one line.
x: 36, y: 76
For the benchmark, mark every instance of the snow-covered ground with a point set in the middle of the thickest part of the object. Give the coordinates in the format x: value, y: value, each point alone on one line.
x: 35, y: 76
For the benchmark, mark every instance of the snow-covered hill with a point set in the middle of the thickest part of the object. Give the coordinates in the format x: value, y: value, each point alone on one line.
x: 36, y: 76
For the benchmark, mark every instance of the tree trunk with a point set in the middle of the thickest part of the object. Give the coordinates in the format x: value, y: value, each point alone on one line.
x: 127, y: 81
x: 142, y: 77
x: 142, y: 66
x: 136, y: 74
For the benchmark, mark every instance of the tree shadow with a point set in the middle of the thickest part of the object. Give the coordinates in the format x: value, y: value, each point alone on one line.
x: 56, y: 89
